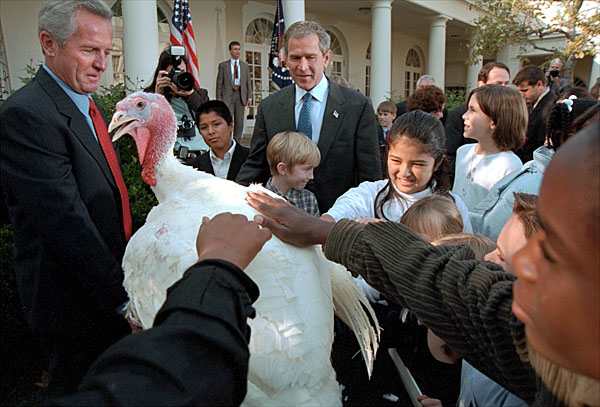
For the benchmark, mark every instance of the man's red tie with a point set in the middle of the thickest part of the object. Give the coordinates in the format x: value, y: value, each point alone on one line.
x: 235, y: 75
x: 387, y: 133
x: 113, y: 163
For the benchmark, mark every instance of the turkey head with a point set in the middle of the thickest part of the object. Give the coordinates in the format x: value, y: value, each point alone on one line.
x: 150, y: 120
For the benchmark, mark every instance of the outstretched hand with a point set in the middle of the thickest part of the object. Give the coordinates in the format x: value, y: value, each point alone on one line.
x: 232, y: 238
x: 290, y: 224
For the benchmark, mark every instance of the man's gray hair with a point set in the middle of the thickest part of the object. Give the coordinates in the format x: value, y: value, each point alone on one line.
x: 301, y: 29
x: 556, y: 61
x: 57, y: 17
x: 425, y: 78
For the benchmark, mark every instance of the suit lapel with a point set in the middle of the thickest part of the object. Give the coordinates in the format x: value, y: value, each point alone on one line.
x: 286, y: 115
x: 332, y: 118
x: 77, y: 122
x: 229, y: 72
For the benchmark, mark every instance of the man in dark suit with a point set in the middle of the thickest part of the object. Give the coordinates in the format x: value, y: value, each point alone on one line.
x: 531, y: 82
x: 224, y: 157
x: 65, y: 194
x: 234, y: 87
x: 339, y: 120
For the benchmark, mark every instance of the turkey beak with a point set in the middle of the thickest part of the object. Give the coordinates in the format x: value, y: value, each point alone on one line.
x: 119, y: 119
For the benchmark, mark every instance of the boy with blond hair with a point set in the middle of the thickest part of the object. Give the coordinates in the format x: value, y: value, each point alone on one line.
x: 292, y: 158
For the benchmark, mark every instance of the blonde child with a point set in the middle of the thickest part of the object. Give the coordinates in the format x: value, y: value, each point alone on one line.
x: 497, y: 118
x: 434, y: 216
x: 292, y: 158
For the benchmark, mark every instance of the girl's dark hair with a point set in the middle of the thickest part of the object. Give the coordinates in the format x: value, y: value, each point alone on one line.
x: 563, y: 123
x: 427, y: 130
x: 164, y: 60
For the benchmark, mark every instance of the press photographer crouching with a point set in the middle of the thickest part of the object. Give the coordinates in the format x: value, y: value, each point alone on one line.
x: 173, y: 81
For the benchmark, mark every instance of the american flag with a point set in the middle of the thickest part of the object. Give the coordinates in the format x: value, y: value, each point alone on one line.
x: 281, y: 75
x: 182, y: 34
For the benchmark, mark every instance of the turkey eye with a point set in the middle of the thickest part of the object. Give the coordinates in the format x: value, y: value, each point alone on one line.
x: 140, y: 105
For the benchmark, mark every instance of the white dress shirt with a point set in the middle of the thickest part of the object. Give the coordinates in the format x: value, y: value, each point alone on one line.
x: 233, y: 80
x: 221, y: 166
x: 317, y: 106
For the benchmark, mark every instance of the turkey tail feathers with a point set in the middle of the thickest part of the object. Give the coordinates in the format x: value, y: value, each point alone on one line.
x: 350, y: 303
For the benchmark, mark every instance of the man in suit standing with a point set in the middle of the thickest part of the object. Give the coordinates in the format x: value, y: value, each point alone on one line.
x: 339, y: 120
x: 233, y: 87
x: 531, y: 82
x: 65, y: 194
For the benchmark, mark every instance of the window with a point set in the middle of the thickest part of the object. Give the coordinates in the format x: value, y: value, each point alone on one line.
x: 259, y: 31
x: 413, y: 72
x: 257, y: 47
x: 336, y: 62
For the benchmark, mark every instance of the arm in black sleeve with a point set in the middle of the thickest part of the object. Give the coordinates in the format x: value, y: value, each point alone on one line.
x: 465, y: 302
x: 196, y: 99
x: 195, y: 354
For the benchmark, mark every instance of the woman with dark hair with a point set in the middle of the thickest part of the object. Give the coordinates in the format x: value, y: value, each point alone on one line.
x: 416, y: 168
x: 429, y: 99
x: 185, y: 102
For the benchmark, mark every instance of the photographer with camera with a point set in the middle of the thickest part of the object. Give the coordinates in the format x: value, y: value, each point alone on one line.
x: 556, y: 83
x: 173, y: 81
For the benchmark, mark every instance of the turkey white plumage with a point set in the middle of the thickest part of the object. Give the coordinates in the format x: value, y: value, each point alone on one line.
x: 292, y: 332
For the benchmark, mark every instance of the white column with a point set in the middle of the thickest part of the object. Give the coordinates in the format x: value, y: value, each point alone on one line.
x: 595, y: 71
x: 508, y: 56
x: 436, y: 65
x: 293, y: 10
x: 140, y: 41
x: 472, y: 73
x: 381, y: 50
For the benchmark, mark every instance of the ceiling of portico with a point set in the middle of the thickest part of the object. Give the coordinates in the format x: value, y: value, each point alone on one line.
x: 408, y: 16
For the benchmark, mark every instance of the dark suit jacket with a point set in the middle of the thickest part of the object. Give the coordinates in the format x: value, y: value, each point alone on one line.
x: 65, y: 210
x: 536, y: 128
x: 348, y: 142
x: 240, y: 153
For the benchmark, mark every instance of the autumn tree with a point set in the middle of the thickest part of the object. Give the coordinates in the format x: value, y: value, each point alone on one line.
x: 526, y: 22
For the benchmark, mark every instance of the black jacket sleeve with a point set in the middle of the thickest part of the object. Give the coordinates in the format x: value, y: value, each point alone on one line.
x: 195, y: 354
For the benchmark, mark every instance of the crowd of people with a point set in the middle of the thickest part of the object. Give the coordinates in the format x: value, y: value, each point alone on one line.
x: 436, y: 213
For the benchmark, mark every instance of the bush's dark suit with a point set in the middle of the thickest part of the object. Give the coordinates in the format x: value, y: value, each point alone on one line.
x: 348, y: 142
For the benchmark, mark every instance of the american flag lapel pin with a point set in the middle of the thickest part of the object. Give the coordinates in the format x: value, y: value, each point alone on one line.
x: 336, y: 114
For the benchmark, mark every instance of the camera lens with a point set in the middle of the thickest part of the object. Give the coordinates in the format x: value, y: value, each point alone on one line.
x: 183, y: 80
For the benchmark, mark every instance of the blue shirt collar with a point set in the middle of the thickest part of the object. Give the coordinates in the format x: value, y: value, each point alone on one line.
x: 81, y: 101
x: 318, y: 92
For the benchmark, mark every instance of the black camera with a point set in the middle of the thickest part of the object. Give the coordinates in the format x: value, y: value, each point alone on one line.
x: 554, y: 73
x: 185, y: 128
x: 183, y: 80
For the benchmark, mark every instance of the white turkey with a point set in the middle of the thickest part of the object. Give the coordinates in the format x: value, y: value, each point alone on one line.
x: 292, y: 333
